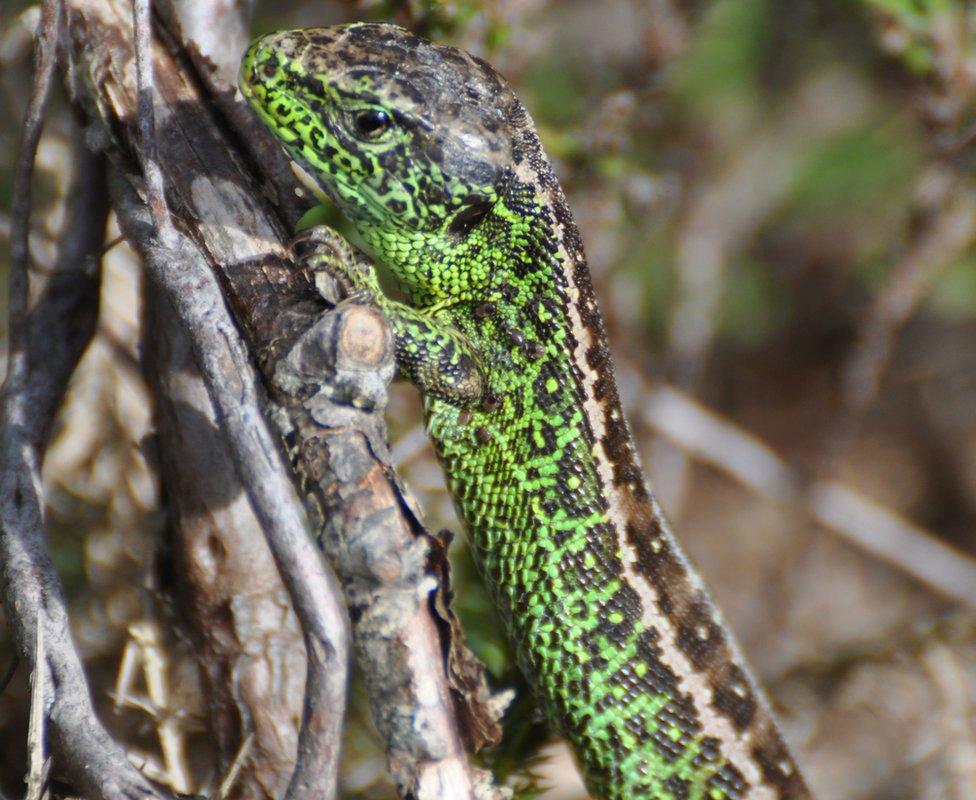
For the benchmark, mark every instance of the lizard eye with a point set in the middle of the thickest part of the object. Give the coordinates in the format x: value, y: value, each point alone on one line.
x: 371, y: 123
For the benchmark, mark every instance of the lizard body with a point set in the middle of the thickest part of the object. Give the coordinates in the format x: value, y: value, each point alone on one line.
x: 434, y: 159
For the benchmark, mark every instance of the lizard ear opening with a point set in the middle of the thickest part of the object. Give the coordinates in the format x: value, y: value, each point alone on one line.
x: 468, y: 217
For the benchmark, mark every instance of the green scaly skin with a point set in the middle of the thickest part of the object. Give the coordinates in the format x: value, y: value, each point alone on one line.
x: 433, y: 158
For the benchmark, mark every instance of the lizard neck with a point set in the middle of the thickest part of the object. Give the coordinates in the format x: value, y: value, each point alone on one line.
x: 513, y: 237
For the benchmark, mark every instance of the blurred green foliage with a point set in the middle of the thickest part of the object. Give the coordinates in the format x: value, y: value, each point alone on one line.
x: 436, y: 18
x: 918, y: 20
x: 954, y: 293
x: 722, y: 69
x: 855, y: 171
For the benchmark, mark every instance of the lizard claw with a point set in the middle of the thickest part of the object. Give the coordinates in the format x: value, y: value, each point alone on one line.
x: 320, y: 243
x: 340, y: 272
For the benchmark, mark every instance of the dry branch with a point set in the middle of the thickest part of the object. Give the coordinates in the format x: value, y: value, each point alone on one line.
x: 374, y: 539
x: 946, y: 235
x: 178, y: 269
x: 45, y: 344
x: 866, y: 524
x: 246, y: 637
x: 247, y: 640
x: 180, y: 272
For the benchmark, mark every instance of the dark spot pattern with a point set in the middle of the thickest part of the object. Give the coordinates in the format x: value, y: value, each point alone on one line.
x: 734, y: 697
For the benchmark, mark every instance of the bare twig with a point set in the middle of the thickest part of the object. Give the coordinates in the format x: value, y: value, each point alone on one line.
x: 235, y: 768
x: 70, y: 297
x: 221, y: 556
x: 32, y: 590
x: 38, y: 244
x: 178, y: 269
x: 190, y: 286
x: 380, y: 547
x: 263, y: 709
x: 144, y: 649
x: 111, y: 245
x: 228, y: 588
x: 947, y: 234
x: 864, y: 523
x: 35, y: 730
x: 146, y: 116
x: 21, y: 205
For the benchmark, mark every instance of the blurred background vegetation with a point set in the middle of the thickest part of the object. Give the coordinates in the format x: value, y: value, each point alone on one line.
x: 778, y: 206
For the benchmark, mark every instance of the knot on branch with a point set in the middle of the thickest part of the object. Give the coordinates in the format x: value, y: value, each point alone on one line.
x: 346, y: 357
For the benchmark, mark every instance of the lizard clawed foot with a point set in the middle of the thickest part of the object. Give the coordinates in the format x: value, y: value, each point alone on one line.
x: 320, y: 241
x: 341, y: 272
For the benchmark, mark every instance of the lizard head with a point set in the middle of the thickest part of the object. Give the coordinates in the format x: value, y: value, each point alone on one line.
x: 412, y: 140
